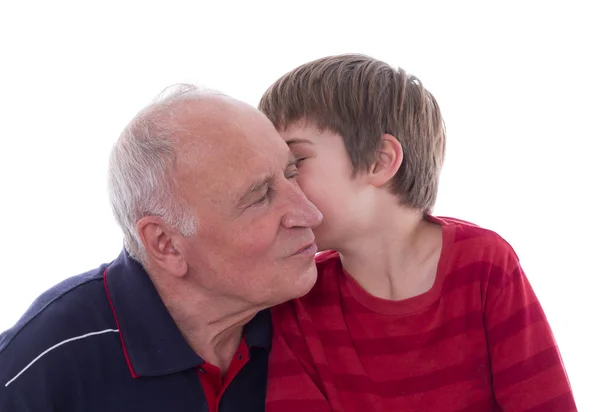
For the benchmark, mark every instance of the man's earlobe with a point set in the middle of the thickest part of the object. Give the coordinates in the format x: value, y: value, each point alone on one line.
x: 160, y: 244
x: 388, y: 161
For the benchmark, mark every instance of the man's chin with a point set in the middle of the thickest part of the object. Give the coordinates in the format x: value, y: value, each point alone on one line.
x: 304, y: 283
x: 308, y: 281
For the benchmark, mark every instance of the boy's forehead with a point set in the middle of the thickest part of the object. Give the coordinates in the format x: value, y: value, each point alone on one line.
x: 305, y: 134
x: 299, y: 131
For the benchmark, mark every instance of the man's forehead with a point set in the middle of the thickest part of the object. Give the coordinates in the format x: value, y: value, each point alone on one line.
x: 227, y: 171
x: 213, y: 131
x: 226, y: 147
x: 203, y: 119
x: 263, y: 169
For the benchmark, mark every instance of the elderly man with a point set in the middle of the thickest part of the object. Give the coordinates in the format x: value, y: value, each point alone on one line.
x: 216, y: 230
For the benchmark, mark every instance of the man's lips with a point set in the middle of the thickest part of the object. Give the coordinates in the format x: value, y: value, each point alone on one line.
x: 307, y: 249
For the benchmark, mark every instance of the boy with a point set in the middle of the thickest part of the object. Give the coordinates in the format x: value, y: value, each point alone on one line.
x: 410, y: 312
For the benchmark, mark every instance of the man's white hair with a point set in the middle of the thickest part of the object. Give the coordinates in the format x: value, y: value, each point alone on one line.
x: 140, y: 168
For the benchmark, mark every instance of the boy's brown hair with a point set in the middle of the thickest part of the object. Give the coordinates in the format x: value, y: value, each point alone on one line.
x: 361, y: 98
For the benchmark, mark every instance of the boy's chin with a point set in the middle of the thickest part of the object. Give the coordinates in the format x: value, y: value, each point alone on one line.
x: 323, y: 242
x: 321, y: 246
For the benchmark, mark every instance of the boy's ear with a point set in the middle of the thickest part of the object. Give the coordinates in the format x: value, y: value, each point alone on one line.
x: 389, y: 159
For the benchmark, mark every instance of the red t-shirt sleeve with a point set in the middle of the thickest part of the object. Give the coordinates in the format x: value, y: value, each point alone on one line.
x: 528, y: 372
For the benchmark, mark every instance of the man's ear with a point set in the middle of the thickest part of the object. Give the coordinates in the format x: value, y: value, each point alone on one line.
x: 160, y: 243
x: 389, y: 159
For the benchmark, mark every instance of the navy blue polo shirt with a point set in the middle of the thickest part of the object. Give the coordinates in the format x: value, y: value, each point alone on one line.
x: 104, y: 341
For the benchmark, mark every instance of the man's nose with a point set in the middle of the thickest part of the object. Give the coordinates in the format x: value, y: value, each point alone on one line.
x: 301, y: 212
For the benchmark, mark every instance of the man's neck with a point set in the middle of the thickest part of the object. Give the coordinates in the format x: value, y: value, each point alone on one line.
x: 212, y: 326
x: 396, y: 257
x: 215, y: 338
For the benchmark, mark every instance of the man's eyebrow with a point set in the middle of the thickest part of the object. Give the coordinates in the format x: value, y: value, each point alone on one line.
x: 296, y: 141
x: 257, y: 186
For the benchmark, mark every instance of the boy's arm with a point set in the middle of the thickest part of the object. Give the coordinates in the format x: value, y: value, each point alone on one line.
x: 528, y: 372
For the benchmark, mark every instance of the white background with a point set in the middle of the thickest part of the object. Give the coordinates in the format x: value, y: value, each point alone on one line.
x: 517, y: 83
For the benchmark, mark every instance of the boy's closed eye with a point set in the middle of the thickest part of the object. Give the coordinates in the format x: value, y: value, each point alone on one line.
x: 299, y: 161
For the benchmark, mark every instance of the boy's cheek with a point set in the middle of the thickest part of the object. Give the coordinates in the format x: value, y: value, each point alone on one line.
x: 313, y: 189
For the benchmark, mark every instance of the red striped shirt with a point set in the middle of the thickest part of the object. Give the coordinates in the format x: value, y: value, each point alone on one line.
x: 477, y: 341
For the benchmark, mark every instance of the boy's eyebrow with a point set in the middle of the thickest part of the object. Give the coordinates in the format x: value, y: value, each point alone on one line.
x: 296, y: 140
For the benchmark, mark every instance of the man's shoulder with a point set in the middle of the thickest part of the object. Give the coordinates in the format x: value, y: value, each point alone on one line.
x: 58, y: 300
x: 74, y: 308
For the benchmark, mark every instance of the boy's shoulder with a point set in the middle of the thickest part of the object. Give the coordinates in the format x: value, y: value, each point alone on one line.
x: 465, y: 234
x: 466, y: 247
x: 329, y: 269
x: 328, y: 263
x: 461, y: 235
x: 474, y: 252
x: 326, y: 257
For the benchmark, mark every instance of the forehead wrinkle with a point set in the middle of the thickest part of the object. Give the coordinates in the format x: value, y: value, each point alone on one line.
x: 205, y: 146
x: 221, y: 152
